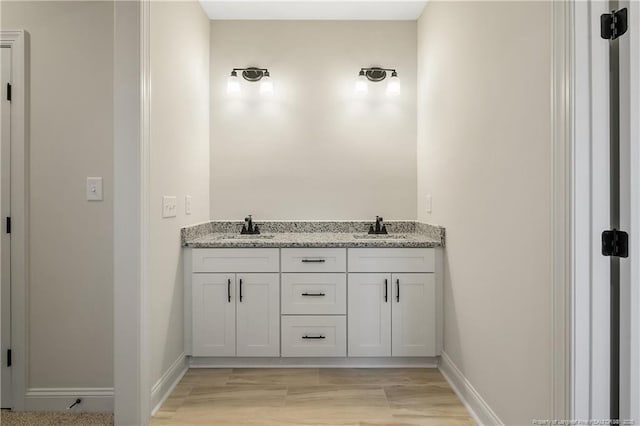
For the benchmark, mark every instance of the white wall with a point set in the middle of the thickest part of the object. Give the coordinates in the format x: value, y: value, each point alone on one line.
x: 71, y: 289
x: 315, y: 150
x: 179, y: 161
x: 484, y: 153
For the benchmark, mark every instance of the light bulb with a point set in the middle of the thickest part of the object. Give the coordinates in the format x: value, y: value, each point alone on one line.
x: 362, y: 86
x: 266, y: 85
x: 393, y: 86
x: 233, y: 84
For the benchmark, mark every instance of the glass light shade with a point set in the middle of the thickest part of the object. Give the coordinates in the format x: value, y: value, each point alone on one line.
x: 393, y: 86
x: 362, y: 85
x: 233, y: 84
x: 266, y: 85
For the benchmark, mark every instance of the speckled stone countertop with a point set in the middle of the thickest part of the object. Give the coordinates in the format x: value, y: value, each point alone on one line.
x: 280, y: 234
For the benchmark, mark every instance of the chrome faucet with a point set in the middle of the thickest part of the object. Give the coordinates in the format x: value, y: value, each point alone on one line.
x: 249, y: 228
x: 380, y: 227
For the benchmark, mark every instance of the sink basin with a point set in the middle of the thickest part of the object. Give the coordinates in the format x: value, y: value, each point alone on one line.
x: 248, y: 237
x: 379, y: 236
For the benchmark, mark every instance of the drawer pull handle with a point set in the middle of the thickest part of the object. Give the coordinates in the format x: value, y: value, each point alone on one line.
x: 386, y: 290
x: 313, y: 294
x: 397, y: 291
x: 314, y: 337
x: 313, y: 260
x: 229, y: 290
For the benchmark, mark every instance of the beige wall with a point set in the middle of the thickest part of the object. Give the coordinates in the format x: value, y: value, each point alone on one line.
x: 484, y: 154
x: 179, y: 160
x: 71, y: 289
x: 315, y: 150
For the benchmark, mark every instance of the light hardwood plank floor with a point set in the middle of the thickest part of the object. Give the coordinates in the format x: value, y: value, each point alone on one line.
x: 309, y: 396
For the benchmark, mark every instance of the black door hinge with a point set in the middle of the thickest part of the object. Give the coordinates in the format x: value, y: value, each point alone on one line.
x: 8, y: 357
x: 615, y: 243
x: 8, y: 225
x: 614, y: 24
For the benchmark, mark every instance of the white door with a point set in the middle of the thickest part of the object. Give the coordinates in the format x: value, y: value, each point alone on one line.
x: 369, y: 320
x: 5, y: 212
x: 413, y: 315
x: 214, y: 314
x: 258, y: 315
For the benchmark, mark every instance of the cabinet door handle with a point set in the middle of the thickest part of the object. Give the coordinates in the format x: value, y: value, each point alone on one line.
x: 386, y: 290
x: 313, y: 294
x: 229, y: 290
x: 240, y: 289
x: 313, y: 337
x: 313, y: 260
x: 398, y: 290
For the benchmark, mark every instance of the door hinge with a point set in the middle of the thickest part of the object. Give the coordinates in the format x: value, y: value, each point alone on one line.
x: 9, y: 92
x: 8, y: 357
x: 614, y: 24
x: 615, y: 243
x: 8, y: 225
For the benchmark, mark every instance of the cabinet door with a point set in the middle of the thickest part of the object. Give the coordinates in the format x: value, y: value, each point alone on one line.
x: 414, y: 315
x: 258, y: 317
x: 214, y: 315
x: 369, y: 317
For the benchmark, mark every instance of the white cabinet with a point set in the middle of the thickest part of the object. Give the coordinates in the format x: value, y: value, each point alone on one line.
x: 234, y: 310
x: 392, y: 315
x: 258, y: 315
x: 369, y: 315
x: 314, y: 336
x: 213, y: 315
x: 413, y: 315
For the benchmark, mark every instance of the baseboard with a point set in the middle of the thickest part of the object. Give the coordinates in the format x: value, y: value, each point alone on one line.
x: 326, y: 362
x: 478, y: 407
x: 167, y: 383
x: 94, y: 400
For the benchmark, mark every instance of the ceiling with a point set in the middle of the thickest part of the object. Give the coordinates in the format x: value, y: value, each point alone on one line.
x: 348, y: 10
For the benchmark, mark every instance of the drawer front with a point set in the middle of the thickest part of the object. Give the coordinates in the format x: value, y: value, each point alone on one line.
x: 314, y: 336
x: 236, y: 260
x: 392, y: 260
x: 312, y: 294
x: 314, y: 260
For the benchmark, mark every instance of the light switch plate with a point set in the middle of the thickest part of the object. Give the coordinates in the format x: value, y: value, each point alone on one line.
x: 169, y: 206
x: 94, y: 189
x: 187, y: 204
x: 428, y: 203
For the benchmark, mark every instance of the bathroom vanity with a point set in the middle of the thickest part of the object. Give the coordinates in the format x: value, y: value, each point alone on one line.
x: 333, y: 296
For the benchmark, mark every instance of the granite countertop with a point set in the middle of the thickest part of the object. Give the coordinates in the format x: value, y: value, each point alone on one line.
x: 402, y: 234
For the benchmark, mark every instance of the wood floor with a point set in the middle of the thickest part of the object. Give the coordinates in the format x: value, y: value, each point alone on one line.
x: 313, y: 397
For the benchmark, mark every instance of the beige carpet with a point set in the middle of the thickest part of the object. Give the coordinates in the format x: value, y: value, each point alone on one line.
x: 11, y: 418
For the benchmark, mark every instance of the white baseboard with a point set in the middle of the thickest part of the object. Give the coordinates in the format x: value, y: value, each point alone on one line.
x: 326, y: 362
x: 94, y: 400
x: 478, y: 407
x: 167, y: 383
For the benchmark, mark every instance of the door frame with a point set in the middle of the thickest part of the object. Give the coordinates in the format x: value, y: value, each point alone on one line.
x: 18, y: 41
x: 132, y: 344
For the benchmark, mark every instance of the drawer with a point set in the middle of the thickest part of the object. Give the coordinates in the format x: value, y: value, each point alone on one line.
x: 235, y: 260
x: 314, y: 260
x: 392, y: 260
x: 311, y: 294
x: 314, y: 336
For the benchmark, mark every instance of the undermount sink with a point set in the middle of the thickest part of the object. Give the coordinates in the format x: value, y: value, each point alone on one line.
x: 248, y: 237
x: 379, y: 236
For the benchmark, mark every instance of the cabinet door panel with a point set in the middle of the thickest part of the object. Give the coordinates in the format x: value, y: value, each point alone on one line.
x: 258, y: 317
x: 414, y: 315
x: 369, y: 317
x: 214, y: 315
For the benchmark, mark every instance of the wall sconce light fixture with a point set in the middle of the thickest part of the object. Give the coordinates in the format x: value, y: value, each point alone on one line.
x: 376, y: 74
x: 252, y: 74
